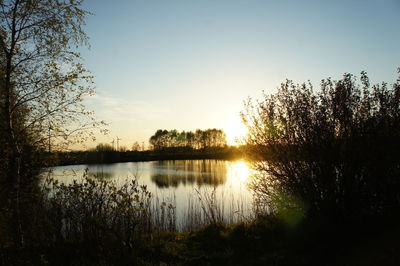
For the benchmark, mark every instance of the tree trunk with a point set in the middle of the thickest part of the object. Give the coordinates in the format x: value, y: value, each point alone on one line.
x: 12, y: 153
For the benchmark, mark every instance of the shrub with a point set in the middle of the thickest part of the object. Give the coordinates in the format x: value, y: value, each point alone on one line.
x: 334, y: 151
x: 97, y: 211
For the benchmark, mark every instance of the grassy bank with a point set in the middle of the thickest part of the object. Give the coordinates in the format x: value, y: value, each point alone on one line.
x: 266, y: 241
x: 269, y: 241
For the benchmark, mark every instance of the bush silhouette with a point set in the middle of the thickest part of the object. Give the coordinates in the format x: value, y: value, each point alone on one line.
x: 334, y: 151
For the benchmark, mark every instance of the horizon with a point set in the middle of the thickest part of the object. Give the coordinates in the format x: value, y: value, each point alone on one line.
x: 188, y: 65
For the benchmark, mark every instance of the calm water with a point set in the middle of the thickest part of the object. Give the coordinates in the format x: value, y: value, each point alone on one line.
x: 180, y: 182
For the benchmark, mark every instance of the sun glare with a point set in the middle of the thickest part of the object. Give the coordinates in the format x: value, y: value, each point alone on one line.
x: 235, y: 130
x: 240, y: 170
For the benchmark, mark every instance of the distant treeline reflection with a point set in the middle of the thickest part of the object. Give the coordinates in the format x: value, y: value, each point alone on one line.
x: 204, y: 172
x: 172, y: 173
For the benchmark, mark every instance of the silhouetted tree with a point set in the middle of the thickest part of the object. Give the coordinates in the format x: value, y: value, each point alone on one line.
x: 181, y: 139
x: 42, y: 84
x: 333, y: 152
x: 43, y: 80
x: 159, y: 140
x: 104, y: 148
x: 198, y: 140
x: 190, y: 139
x: 136, y: 146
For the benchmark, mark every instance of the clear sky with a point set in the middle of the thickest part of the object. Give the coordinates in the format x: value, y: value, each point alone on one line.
x: 190, y: 64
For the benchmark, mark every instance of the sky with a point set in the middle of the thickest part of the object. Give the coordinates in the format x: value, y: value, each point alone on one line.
x: 188, y: 64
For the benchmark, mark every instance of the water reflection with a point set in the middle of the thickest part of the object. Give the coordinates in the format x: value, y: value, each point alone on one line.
x: 189, y: 172
x: 179, y: 182
x: 240, y: 170
x: 102, y: 175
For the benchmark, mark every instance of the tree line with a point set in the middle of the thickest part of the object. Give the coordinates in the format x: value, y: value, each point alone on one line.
x: 200, y: 139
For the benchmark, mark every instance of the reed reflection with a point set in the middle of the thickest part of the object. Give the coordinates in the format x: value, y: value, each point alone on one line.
x: 101, y: 175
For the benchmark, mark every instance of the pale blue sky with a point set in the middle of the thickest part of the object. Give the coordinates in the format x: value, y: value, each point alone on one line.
x: 190, y: 64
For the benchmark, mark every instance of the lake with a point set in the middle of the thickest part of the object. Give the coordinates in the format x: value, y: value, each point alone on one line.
x: 190, y: 185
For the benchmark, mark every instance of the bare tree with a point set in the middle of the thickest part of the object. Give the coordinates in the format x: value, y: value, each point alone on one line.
x: 136, y: 146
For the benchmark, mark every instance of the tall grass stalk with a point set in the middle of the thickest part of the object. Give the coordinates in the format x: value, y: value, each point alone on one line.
x: 210, y: 206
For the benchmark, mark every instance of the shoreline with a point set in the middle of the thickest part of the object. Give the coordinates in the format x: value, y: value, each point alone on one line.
x: 106, y: 157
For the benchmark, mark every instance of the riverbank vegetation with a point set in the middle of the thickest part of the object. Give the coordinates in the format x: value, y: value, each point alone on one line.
x: 93, y: 222
x: 110, y: 155
x: 333, y: 152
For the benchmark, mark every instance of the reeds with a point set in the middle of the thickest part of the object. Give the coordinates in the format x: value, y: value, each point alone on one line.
x: 210, y: 206
x: 129, y: 209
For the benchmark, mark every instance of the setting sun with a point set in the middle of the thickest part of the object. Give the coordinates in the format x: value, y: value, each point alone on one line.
x: 235, y: 130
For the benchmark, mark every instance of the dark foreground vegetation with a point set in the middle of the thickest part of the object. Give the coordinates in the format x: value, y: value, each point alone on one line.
x: 96, y: 223
x: 332, y: 153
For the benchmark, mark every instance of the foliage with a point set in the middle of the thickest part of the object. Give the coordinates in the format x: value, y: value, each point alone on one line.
x: 136, y: 147
x: 200, y: 139
x: 104, y: 148
x: 97, y: 211
x: 42, y: 86
x: 43, y: 81
x: 335, y: 150
x: 93, y: 218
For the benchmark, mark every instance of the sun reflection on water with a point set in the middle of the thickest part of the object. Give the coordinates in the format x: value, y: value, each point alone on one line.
x: 240, y: 170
